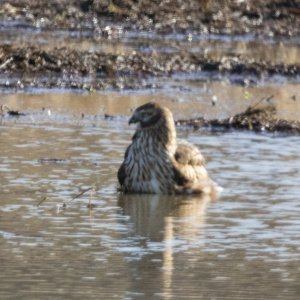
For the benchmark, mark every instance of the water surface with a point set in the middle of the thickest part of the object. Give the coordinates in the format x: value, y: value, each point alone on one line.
x: 246, y: 245
x: 186, y: 97
x: 103, y: 245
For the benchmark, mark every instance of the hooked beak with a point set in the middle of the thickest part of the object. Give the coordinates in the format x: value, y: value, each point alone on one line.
x: 133, y: 119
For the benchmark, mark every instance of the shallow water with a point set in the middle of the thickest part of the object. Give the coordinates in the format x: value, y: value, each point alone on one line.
x: 270, y: 49
x: 246, y: 245
x: 186, y: 97
x: 102, y: 245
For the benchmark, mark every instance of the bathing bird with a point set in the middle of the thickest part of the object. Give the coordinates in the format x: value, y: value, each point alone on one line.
x: 156, y: 163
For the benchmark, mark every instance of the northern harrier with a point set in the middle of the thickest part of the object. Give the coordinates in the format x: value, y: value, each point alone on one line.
x: 155, y: 163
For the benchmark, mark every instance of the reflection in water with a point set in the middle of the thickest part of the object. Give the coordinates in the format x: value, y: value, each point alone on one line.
x: 151, y: 214
x: 173, y: 221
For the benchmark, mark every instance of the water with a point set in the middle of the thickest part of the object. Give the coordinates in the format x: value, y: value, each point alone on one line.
x: 103, y: 245
x: 246, y: 245
x: 276, y: 50
x: 186, y: 97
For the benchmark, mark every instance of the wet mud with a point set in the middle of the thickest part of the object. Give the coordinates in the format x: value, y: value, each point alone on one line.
x: 64, y: 68
x: 30, y: 65
x: 256, y: 17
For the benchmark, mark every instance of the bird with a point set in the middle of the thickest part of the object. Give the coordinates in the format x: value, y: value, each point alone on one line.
x: 156, y: 163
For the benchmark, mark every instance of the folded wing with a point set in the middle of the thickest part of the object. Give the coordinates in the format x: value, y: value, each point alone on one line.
x: 189, y: 169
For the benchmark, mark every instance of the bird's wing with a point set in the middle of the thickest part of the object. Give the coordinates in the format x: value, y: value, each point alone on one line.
x: 188, y: 154
x: 188, y: 165
x: 122, y: 169
x: 121, y: 174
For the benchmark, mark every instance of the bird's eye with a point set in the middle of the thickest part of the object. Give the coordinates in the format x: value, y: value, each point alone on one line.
x: 147, y: 113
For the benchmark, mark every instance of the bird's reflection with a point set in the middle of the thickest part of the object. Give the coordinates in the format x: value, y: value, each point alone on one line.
x: 153, y: 215
x: 165, y: 219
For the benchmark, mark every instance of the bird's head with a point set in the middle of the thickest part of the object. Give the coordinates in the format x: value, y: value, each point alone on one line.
x: 149, y: 115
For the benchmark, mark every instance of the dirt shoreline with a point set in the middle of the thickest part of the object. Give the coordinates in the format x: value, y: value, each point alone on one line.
x: 25, y: 67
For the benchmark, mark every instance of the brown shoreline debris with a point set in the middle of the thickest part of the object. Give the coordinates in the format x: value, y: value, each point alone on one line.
x: 254, y: 118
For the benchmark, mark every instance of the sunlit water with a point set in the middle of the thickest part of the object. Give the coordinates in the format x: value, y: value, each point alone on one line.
x: 102, y: 245
x: 187, y: 97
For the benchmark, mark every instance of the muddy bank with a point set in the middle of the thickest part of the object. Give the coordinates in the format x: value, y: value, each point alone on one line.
x: 255, y: 118
x: 255, y: 17
x: 69, y: 68
x: 24, y: 66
